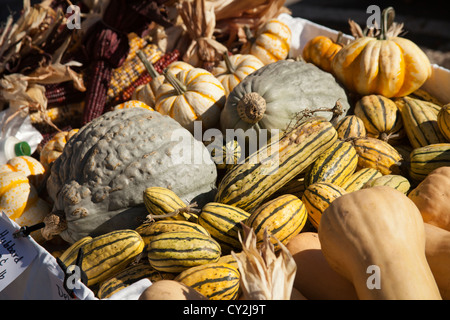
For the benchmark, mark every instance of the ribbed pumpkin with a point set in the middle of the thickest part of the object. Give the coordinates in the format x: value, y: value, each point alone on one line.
x: 232, y: 69
x: 20, y: 201
x: 29, y: 166
x: 381, y: 117
x: 271, y: 43
x: 133, y: 104
x: 392, y: 66
x: 191, y: 95
x: 53, y: 148
x: 321, y: 50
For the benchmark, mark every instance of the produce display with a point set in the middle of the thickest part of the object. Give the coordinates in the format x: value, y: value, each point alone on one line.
x: 184, y: 144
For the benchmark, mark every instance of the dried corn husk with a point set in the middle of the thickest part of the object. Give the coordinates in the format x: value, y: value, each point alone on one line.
x: 264, y: 275
x: 200, y: 21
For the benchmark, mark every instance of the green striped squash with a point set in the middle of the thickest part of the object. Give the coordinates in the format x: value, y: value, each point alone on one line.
x: 283, y: 217
x: 381, y: 117
x: 390, y: 180
x: 360, y: 178
x: 110, y: 253
x: 350, y: 126
x: 216, y: 281
x: 426, y: 159
x: 335, y: 165
x: 69, y: 256
x: 151, y: 229
x: 131, y: 274
x: 248, y: 184
x: 318, y: 197
x: 230, y: 259
x: 443, y: 119
x: 178, y: 251
x: 163, y: 201
x: 377, y: 154
x: 223, y: 222
x: 420, y: 122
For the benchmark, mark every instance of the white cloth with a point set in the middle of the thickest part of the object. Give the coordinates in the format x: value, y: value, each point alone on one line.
x: 132, y: 292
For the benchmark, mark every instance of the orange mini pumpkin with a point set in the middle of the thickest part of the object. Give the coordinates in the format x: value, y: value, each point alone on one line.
x: 321, y: 50
x: 387, y: 64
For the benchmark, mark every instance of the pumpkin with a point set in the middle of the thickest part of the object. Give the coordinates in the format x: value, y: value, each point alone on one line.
x: 97, y: 183
x: 315, y: 279
x: 133, y: 104
x: 170, y: 290
x: 388, y: 65
x: 232, y: 69
x: 20, y: 201
x: 437, y: 250
x: 353, y: 233
x: 146, y: 92
x: 321, y: 50
x: 53, y: 148
x: 271, y: 43
x: 432, y: 197
x: 275, y: 95
x: 191, y: 95
x: 29, y: 166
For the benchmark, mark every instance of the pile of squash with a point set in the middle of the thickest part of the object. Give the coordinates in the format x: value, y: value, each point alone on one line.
x: 355, y: 184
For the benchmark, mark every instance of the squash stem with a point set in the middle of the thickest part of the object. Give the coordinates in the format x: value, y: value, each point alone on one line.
x: 179, y: 87
x: 150, y: 69
x: 387, y: 18
x: 249, y: 34
x: 230, y: 67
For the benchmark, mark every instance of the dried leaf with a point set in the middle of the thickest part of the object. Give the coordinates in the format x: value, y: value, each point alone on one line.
x: 264, y: 274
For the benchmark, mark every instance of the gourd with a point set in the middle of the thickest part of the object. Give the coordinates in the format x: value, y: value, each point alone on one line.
x: 355, y: 252
x: 335, y: 165
x: 33, y: 169
x: 377, y: 154
x: 189, y: 96
x: 233, y: 69
x: 321, y: 50
x: 443, y: 119
x: 170, y: 290
x: 223, y: 222
x: 20, y: 201
x: 216, y: 281
x: 275, y: 95
x: 283, y: 218
x: 381, y: 117
x: 420, y: 122
x: 97, y: 183
x: 248, y: 184
x: 314, y: 278
x: 271, y: 43
x: 423, y: 160
x: 360, y: 178
x: 177, y: 251
x: 391, y: 180
x: 437, y: 251
x: 350, y: 126
x: 432, y: 198
x: 133, y: 104
x: 389, y: 65
x: 53, y: 148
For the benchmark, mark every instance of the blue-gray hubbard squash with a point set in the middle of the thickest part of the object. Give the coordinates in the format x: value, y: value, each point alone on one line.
x: 97, y: 183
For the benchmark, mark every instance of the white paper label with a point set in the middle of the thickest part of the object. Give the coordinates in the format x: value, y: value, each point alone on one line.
x: 15, y: 254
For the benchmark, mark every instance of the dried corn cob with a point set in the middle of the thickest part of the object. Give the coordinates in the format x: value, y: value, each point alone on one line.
x: 62, y: 93
x: 130, y: 71
x: 145, y: 77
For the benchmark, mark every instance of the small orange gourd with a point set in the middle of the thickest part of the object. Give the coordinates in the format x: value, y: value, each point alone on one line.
x: 321, y: 50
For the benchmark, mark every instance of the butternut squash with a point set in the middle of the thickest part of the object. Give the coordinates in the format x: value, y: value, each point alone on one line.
x: 375, y: 238
x: 315, y: 279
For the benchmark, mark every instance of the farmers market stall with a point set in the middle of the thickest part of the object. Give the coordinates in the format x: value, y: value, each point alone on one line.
x: 219, y: 150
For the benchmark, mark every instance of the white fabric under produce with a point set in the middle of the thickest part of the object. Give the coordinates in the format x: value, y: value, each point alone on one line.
x: 34, y: 282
